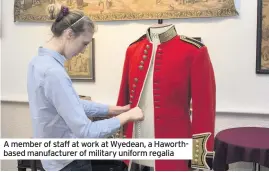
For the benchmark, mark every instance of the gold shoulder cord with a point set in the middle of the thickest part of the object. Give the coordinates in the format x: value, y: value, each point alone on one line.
x: 191, y: 41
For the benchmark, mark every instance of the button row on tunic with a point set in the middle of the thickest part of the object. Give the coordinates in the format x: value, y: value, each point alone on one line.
x: 141, y: 66
x: 132, y: 91
x: 159, y: 54
x: 144, y: 57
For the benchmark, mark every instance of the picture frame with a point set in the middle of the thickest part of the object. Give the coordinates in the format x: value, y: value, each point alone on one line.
x: 262, y: 44
x: 82, y: 66
x: 120, y: 10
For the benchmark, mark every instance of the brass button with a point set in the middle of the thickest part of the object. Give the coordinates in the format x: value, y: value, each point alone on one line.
x: 141, y: 67
x: 148, y: 46
x: 124, y: 136
x: 145, y: 51
x: 136, y: 79
x: 144, y: 57
x: 132, y: 96
x: 134, y: 85
x: 197, y: 141
x: 132, y: 91
x: 142, y: 62
x: 196, y: 160
x: 130, y: 102
x: 197, y: 150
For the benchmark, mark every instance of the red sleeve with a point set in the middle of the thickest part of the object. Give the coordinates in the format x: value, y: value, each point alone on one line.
x: 203, y: 92
x: 123, y: 95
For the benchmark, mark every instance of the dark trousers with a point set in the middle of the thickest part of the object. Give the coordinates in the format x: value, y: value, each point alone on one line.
x: 137, y: 167
x: 78, y: 165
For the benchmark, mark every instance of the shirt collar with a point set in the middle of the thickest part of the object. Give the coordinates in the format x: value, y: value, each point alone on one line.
x: 57, y: 56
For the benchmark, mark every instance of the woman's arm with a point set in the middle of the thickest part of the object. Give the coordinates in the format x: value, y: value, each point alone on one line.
x: 59, y: 91
x: 94, y: 109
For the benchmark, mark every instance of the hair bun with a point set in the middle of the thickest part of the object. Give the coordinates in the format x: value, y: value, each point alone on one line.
x: 65, y: 10
x: 53, y: 11
x: 57, y: 11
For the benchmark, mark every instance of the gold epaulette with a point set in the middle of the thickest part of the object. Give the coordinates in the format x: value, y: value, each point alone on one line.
x: 192, y: 41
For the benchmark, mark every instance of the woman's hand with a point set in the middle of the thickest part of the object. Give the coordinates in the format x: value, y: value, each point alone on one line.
x: 134, y: 114
x: 116, y: 110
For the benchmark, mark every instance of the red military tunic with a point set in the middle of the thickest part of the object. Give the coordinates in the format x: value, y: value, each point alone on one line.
x: 183, y: 73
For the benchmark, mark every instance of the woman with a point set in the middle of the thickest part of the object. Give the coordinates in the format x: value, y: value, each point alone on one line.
x: 56, y: 109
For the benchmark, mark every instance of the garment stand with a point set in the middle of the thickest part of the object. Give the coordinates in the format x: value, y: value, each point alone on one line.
x: 256, y: 167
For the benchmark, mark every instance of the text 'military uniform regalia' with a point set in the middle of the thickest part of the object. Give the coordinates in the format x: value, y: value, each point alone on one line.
x: 163, y: 72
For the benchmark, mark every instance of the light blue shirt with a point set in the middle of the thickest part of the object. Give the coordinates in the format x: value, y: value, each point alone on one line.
x: 56, y: 109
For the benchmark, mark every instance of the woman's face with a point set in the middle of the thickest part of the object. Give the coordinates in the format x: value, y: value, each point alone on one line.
x: 77, y: 44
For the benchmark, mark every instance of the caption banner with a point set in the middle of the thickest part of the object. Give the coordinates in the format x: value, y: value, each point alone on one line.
x: 95, y: 149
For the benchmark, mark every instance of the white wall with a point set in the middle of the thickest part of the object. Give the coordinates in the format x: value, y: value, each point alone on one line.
x: 242, y: 96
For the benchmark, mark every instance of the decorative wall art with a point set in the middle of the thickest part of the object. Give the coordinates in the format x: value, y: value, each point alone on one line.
x: 107, y: 10
x: 262, y: 59
x: 82, y: 66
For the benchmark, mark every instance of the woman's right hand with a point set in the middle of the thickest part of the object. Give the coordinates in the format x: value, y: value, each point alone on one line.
x: 134, y: 114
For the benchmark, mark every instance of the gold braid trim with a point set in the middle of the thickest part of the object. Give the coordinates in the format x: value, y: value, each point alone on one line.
x: 191, y: 41
x: 199, y: 151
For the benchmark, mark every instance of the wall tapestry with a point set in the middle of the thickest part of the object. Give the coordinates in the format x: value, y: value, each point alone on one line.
x: 107, y: 10
x: 262, y: 59
x: 81, y: 67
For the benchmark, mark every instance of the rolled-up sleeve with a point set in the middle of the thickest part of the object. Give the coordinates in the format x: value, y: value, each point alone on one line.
x: 60, y: 93
x: 94, y: 109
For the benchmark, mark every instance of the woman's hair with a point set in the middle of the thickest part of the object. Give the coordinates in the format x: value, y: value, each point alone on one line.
x: 64, y: 18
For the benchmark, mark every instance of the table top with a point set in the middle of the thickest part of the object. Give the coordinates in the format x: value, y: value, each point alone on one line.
x: 251, y: 137
x: 247, y: 144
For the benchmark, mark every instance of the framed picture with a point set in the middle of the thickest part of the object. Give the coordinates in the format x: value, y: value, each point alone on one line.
x: 262, y: 54
x: 111, y: 10
x: 82, y: 66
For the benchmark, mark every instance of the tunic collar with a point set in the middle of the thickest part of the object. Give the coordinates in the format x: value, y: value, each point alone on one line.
x: 57, y: 56
x: 169, y: 34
